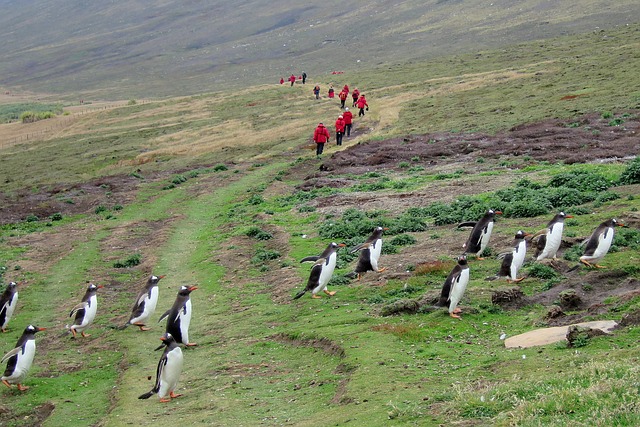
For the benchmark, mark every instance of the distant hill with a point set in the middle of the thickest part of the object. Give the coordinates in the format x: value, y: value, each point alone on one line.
x: 179, y: 47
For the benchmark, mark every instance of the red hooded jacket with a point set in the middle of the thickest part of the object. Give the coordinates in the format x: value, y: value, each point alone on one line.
x: 362, y: 102
x: 340, y: 125
x: 321, y: 134
x: 347, y: 117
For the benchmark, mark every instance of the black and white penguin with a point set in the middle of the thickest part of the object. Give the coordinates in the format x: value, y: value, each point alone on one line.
x: 168, y: 371
x: 85, y: 312
x: 145, y: 304
x: 513, y: 260
x: 370, y: 253
x: 8, y: 302
x: 480, y: 234
x: 19, y: 359
x: 179, y: 316
x: 454, y: 287
x: 599, y: 243
x: 551, y: 236
x: 321, y: 271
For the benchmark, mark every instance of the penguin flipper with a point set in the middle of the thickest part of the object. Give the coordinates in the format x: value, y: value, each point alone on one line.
x: 82, y: 306
x: 467, y: 224
x: 11, y: 353
x: 360, y: 247
x: 310, y: 258
x: 164, y: 315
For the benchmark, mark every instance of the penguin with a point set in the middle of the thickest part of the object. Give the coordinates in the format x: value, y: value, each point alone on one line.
x: 168, y: 371
x: 370, y: 253
x: 85, y: 312
x: 321, y: 271
x: 8, y: 302
x: 513, y: 260
x: 145, y: 304
x: 179, y: 316
x: 552, y: 237
x: 599, y: 243
x: 19, y: 359
x: 480, y: 234
x: 454, y: 287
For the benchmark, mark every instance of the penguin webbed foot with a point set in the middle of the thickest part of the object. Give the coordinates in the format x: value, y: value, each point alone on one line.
x: 455, y: 315
x: 174, y: 395
x: 191, y: 344
x: 22, y: 387
x: 314, y: 296
x: 332, y: 293
x: 380, y: 270
x: 5, y: 382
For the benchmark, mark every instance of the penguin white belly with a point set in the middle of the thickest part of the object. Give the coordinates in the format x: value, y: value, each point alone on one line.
x: 519, y: 255
x: 457, y: 289
x: 604, y: 244
x: 375, y: 250
x: 89, y: 314
x: 554, y: 238
x: 185, y: 320
x: 150, y: 303
x: 23, y: 364
x: 326, y: 273
x: 171, y: 373
x: 484, y: 239
x: 10, y: 309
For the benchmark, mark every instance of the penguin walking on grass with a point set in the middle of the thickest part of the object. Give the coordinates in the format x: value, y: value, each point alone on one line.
x: 8, y: 302
x: 454, y: 287
x: 599, y: 243
x: 85, y: 312
x: 168, y: 371
x: 179, y: 316
x: 550, y: 238
x: 20, y: 359
x: 370, y: 253
x: 480, y: 234
x: 145, y: 304
x: 321, y: 271
x: 513, y: 261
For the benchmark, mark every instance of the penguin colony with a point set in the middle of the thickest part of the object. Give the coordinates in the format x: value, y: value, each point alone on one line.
x: 178, y: 317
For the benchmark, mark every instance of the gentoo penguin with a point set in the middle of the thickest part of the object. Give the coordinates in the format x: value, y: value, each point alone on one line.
x: 454, y: 287
x: 513, y: 260
x: 370, y: 253
x: 321, y: 271
x: 8, y: 302
x: 551, y: 236
x: 179, y: 316
x: 19, y: 359
x: 480, y: 234
x: 85, y: 312
x: 599, y: 243
x: 168, y: 371
x: 145, y: 304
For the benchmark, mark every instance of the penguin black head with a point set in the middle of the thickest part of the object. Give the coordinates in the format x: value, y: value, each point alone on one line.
x: 521, y: 234
x: 167, y: 340
x: 13, y: 285
x: 33, y: 329
x: 563, y: 215
x: 153, y: 280
x: 94, y: 288
x: 186, y: 290
x: 335, y: 245
x: 462, y: 259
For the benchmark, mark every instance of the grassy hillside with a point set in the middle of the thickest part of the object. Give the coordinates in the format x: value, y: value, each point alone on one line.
x: 220, y: 191
x: 121, y: 50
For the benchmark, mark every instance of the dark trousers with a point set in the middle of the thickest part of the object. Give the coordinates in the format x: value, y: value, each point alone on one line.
x: 339, y: 137
x: 361, y: 112
x: 342, y: 103
x: 354, y: 101
x: 319, y: 148
x: 347, y: 127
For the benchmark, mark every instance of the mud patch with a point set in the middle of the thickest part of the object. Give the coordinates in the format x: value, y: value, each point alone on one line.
x: 322, y: 344
x: 35, y: 419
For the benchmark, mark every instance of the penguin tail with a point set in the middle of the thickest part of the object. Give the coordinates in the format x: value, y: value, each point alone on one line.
x: 146, y: 395
x: 299, y: 294
x: 122, y: 327
x: 66, y: 332
x: 351, y: 275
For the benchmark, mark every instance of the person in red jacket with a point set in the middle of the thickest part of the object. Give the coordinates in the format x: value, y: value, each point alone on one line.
x: 347, y: 116
x: 331, y: 92
x: 362, y: 104
x: 320, y: 136
x: 292, y: 79
x: 340, y: 125
x: 355, y: 94
x: 343, y: 97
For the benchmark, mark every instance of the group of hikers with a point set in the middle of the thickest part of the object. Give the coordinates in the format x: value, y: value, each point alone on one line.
x: 344, y: 121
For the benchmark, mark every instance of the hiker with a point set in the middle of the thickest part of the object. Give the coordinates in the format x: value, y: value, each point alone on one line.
x: 340, y: 124
x: 343, y: 97
x: 362, y: 104
x: 355, y: 94
x: 304, y: 77
x: 281, y: 80
x: 320, y: 136
x: 316, y: 91
x: 292, y: 79
x: 347, y: 116
x: 331, y: 92
x: 346, y: 89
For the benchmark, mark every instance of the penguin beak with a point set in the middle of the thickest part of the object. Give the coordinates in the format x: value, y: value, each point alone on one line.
x: 620, y: 224
x: 385, y: 228
x: 498, y: 212
x: 41, y: 329
x: 192, y: 288
x: 568, y: 216
x: 342, y: 245
x: 99, y: 286
x: 161, y: 277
